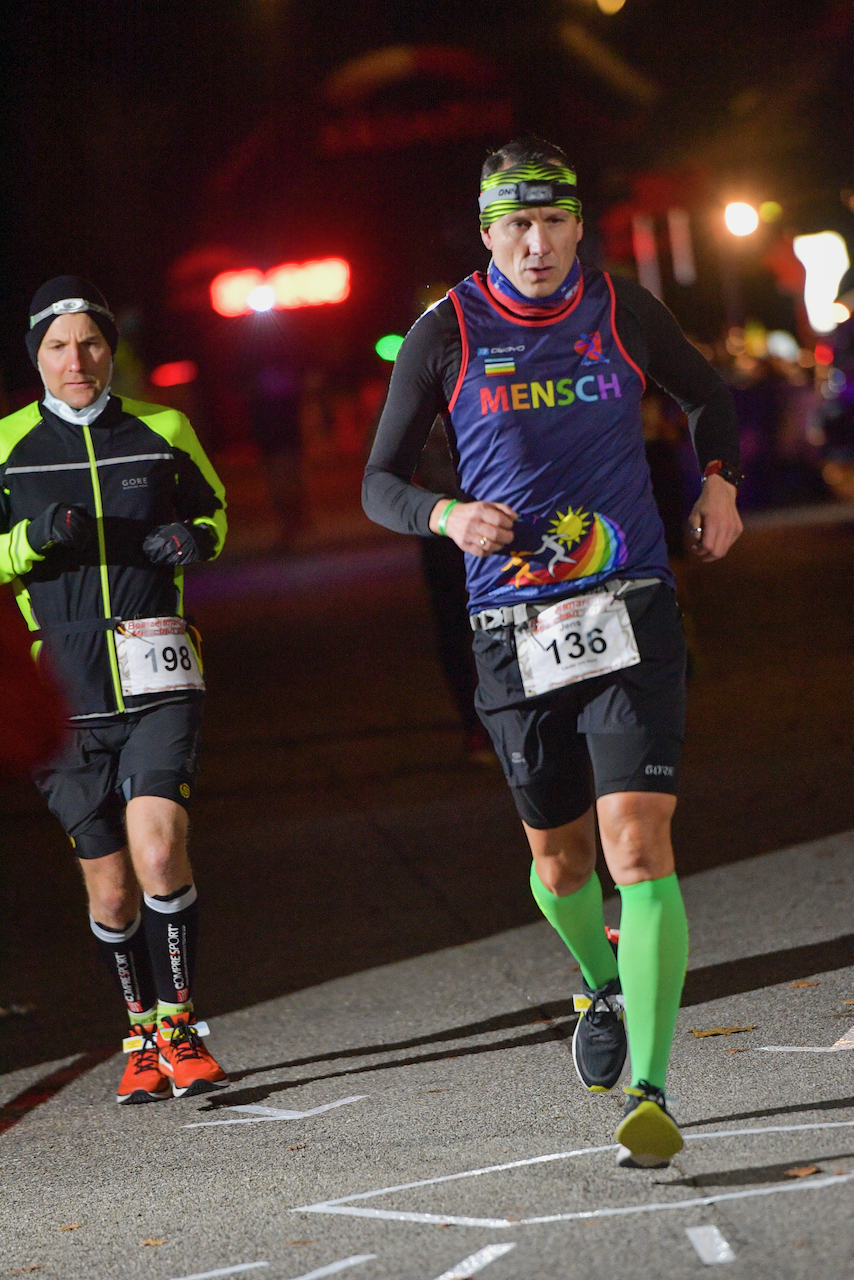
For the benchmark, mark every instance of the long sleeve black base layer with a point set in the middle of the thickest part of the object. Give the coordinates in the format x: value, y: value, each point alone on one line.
x: 426, y: 372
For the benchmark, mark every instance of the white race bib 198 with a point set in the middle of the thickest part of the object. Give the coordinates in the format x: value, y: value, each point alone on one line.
x: 576, y: 639
x: 155, y: 656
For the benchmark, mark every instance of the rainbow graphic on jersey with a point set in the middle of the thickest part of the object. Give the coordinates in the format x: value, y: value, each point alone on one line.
x: 577, y: 544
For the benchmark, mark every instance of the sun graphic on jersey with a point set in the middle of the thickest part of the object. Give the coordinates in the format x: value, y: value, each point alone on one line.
x: 571, y: 526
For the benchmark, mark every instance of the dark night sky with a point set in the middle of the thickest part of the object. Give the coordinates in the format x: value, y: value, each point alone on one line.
x: 140, y: 130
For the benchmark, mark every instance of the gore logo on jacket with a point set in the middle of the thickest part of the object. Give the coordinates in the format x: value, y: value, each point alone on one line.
x: 546, y: 417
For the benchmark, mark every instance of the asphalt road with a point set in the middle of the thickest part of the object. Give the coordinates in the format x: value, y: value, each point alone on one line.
x: 367, y: 929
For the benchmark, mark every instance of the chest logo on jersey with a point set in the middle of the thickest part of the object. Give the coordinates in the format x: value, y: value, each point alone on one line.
x: 573, y: 544
x: 533, y: 395
x: 589, y: 347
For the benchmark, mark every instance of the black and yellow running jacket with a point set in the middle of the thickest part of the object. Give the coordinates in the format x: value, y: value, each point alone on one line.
x: 137, y: 466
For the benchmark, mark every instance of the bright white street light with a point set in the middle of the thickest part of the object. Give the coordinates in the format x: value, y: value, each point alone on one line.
x: 825, y: 259
x: 741, y: 218
x: 262, y: 298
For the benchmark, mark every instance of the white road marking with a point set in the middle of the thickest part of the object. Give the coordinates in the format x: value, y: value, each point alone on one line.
x: 476, y: 1262
x: 344, y: 1204
x: 711, y: 1245
x: 334, y: 1267
x: 224, y: 1271
x: 259, y: 1114
x: 844, y: 1042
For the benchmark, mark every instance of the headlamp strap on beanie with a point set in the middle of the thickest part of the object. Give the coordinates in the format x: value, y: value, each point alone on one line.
x: 68, y: 306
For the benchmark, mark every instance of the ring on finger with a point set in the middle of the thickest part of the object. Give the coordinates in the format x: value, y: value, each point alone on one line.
x: 482, y: 541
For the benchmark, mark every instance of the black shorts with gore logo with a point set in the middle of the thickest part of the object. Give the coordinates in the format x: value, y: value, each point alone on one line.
x: 628, y: 725
x: 145, y: 753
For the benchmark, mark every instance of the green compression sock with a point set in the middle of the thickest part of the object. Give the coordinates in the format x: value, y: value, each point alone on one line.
x: 653, y: 955
x: 579, y: 921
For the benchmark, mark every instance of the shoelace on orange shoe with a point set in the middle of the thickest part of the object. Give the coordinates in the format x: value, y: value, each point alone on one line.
x: 186, y: 1043
x: 146, y: 1058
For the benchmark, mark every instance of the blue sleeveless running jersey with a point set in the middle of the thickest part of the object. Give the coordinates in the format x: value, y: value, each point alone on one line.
x: 546, y: 415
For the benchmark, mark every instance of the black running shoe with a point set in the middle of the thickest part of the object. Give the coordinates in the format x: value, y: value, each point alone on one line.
x: 647, y: 1134
x: 599, y: 1042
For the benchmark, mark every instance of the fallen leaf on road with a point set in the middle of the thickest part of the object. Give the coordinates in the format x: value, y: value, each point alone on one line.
x: 154, y: 1240
x: 300, y: 1147
x: 72, y: 1226
x: 744, y: 1050
x: 802, y: 1171
x: 848, y: 1001
x: 805, y: 983
x: 19, y: 1271
x: 839, y: 1173
x: 299, y: 1242
x: 721, y: 1031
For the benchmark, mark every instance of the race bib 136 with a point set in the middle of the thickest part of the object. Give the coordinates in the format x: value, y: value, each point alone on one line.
x: 575, y: 639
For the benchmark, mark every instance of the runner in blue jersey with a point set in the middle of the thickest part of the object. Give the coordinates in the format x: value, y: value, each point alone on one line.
x: 537, y: 368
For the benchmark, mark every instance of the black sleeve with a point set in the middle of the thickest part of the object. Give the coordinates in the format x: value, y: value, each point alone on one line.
x: 422, y: 382
x: 196, y: 504
x: 652, y: 337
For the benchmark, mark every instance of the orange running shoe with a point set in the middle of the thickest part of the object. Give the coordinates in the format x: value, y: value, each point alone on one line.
x: 143, y: 1081
x: 185, y: 1060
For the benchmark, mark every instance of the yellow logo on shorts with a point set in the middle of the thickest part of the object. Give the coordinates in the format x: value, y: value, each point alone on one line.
x: 73, y: 842
x: 185, y: 790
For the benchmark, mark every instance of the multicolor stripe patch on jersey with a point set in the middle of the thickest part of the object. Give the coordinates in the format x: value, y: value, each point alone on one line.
x: 502, y: 365
x: 525, y: 186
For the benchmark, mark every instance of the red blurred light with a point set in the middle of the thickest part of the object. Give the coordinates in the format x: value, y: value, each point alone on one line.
x: 230, y: 291
x: 294, y: 284
x: 174, y: 374
x: 823, y: 354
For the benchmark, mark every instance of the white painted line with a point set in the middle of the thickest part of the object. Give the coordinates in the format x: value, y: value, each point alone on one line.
x: 224, y: 1271
x: 844, y: 1042
x: 712, y: 1247
x: 259, y: 1114
x: 811, y: 1184
x: 476, y: 1262
x: 344, y: 1204
x: 334, y: 1267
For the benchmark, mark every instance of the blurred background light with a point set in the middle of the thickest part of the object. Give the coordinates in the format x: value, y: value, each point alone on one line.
x: 262, y: 298
x: 388, y: 346
x: 610, y: 6
x: 175, y: 374
x: 770, y: 211
x: 309, y: 284
x: 782, y: 345
x: 290, y: 285
x: 230, y: 291
x: 741, y: 219
x: 840, y: 312
x: 825, y: 260
x: 823, y: 354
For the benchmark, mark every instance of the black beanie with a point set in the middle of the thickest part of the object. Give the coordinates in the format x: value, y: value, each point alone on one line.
x: 77, y: 296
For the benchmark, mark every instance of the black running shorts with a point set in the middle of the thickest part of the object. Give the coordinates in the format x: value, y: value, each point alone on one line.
x: 628, y: 725
x: 146, y: 753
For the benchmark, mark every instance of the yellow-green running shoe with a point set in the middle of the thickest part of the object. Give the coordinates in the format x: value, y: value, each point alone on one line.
x: 647, y: 1133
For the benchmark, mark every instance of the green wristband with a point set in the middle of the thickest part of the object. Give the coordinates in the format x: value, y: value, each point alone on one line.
x: 442, y: 527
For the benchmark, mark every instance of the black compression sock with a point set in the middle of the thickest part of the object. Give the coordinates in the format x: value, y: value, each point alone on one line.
x: 171, y: 927
x: 125, y: 952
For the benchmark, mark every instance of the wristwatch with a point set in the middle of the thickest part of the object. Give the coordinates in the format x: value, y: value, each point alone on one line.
x: 725, y: 470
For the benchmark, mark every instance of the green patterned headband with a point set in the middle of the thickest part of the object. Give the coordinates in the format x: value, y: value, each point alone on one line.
x: 524, y: 186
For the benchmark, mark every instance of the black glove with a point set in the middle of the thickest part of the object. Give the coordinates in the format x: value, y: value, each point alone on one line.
x: 178, y: 544
x: 60, y: 526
